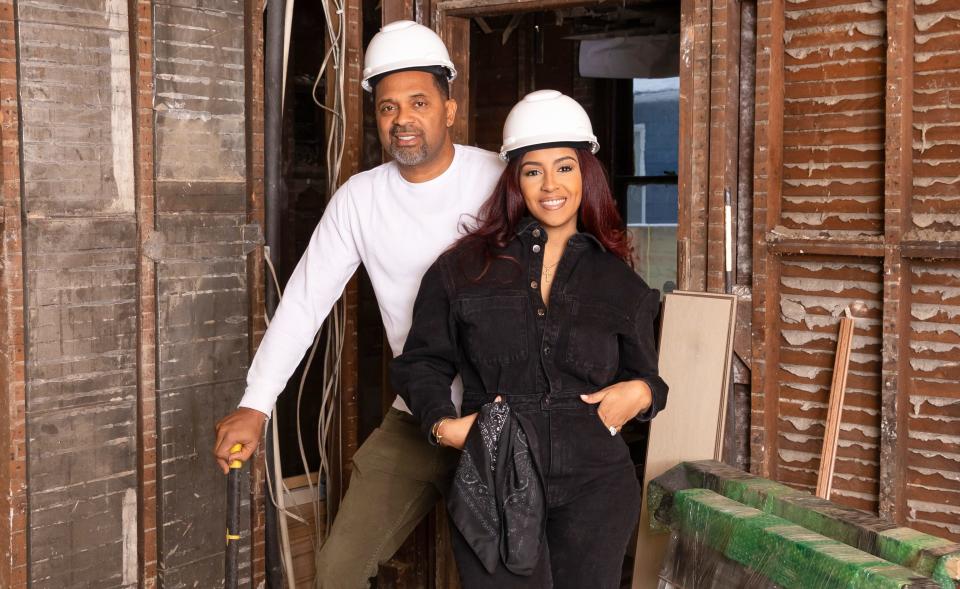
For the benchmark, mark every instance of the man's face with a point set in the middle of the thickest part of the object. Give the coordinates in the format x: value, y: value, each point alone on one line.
x: 412, y: 116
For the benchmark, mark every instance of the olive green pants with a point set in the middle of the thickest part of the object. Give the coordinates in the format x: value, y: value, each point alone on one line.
x: 397, y: 479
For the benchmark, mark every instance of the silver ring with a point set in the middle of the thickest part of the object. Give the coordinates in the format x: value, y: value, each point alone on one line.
x: 613, y: 430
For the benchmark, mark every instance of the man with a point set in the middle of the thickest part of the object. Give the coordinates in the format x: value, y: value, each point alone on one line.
x: 395, y: 219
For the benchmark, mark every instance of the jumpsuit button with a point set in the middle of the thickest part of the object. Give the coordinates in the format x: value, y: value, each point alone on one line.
x: 546, y: 401
x: 536, y: 248
x: 546, y: 350
x: 536, y: 233
x: 533, y: 284
x: 541, y: 312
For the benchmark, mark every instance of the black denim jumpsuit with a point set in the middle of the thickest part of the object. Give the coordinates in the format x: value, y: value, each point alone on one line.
x: 498, y: 334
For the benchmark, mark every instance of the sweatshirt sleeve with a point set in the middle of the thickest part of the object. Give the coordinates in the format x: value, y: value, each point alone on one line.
x: 317, y: 282
x: 423, y: 373
x: 638, y: 353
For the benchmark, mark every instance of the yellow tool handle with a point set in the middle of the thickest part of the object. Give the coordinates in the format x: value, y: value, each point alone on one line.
x: 234, y: 449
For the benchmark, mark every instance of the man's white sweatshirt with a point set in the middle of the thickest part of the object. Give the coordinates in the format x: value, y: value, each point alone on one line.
x: 396, y: 229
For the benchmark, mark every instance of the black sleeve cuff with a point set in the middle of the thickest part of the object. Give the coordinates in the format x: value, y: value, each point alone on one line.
x: 431, y: 417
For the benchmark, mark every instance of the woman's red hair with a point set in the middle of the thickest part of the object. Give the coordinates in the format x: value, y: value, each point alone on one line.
x: 499, y: 216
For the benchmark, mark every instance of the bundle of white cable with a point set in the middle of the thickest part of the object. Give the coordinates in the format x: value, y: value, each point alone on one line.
x: 332, y: 70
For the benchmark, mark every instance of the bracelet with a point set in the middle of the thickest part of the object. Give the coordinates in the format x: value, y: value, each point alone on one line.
x: 435, y: 430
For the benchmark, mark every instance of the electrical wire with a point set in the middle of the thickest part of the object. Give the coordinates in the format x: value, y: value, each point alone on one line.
x: 332, y: 70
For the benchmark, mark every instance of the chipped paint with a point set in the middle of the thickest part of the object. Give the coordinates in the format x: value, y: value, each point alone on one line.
x: 129, y: 530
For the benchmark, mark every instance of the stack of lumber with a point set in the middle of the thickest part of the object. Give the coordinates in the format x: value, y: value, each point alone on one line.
x: 729, y: 528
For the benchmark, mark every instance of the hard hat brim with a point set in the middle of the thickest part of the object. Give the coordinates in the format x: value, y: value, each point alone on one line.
x: 507, y: 153
x: 374, y: 75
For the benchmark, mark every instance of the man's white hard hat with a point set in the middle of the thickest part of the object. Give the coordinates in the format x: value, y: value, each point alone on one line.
x: 546, y: 117
x: 403, y: 45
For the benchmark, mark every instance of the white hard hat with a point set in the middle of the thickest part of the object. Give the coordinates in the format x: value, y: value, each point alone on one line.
x: 546, y: 116
x: 401, y: 45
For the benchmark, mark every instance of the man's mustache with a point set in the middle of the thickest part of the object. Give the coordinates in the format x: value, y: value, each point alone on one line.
x: 397, y: 130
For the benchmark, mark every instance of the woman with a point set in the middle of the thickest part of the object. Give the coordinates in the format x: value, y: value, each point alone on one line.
x: 538, y: 309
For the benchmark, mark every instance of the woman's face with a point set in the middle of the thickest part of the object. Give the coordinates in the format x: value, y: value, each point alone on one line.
x: 551, y: 185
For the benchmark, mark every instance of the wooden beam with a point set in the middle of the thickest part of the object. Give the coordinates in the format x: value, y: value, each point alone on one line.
x: 930, y: 250
x: 724, y: 136
x: 253, y: 58
x: 141, y: 44
x: 766, y: 267
x: 494, y: 7
x: 871, y: 247
x: 455, y: 33
x: 841, y: 366
x: 345, y: 436
x: 694, y: 143
x: 13, y: 452
x: 898, y: 181
x: 396, y: 10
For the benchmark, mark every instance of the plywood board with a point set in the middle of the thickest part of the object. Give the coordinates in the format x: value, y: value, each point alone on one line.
x: 696, y: 340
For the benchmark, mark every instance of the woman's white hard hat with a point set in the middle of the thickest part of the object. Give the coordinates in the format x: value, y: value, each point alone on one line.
x: 546, y: 117
x: 403, y: 45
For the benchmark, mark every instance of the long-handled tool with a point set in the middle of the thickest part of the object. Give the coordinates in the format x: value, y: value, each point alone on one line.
x: 233, y: 521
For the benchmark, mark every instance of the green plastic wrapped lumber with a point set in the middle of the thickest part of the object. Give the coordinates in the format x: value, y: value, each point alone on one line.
x: 787, y: 554
x: 927, y: 555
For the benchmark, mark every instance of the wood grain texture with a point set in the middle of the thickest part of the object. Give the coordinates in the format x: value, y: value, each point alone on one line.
x: 80, y: 263
x: 203, y: 305
x: 838, y: 385
x: 697, y: 330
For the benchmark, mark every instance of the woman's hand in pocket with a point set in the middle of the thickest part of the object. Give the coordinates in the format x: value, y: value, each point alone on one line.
x: 453, y: 432
x: 621, y: 402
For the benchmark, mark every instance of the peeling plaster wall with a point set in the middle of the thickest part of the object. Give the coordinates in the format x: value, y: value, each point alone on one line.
x: 865, y: 214
x: 935, y: 207
x: 933, y: 443
x: 833, y: 118
x: 813, y: 295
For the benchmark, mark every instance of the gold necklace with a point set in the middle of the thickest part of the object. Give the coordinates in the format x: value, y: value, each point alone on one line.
x: 549, y: 271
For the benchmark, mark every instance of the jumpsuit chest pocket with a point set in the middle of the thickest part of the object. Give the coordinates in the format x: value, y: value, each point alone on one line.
x: 594, y: 337
x: 493, y: 329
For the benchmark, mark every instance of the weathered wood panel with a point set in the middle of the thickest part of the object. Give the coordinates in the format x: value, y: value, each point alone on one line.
x: 813, y: 295
x: 833, y: 121
x: 202, y: 276
x: 75, y: 92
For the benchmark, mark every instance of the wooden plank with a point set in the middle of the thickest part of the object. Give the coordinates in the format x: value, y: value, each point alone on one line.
x: 841, y: 367
x: 867, y: 247
x: 345, y: 434
x: 455, y: 33
x: 931, y: 250
x: 253, y: 128
x: 724, y: 136
x: 392, y: 10
x: 697, y: 330
x: 898, y: 180
x: 494, y: 7
x: 141, y: 35
x: 766, y: 277
x: 13, y: 447
x: 694, y: 134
